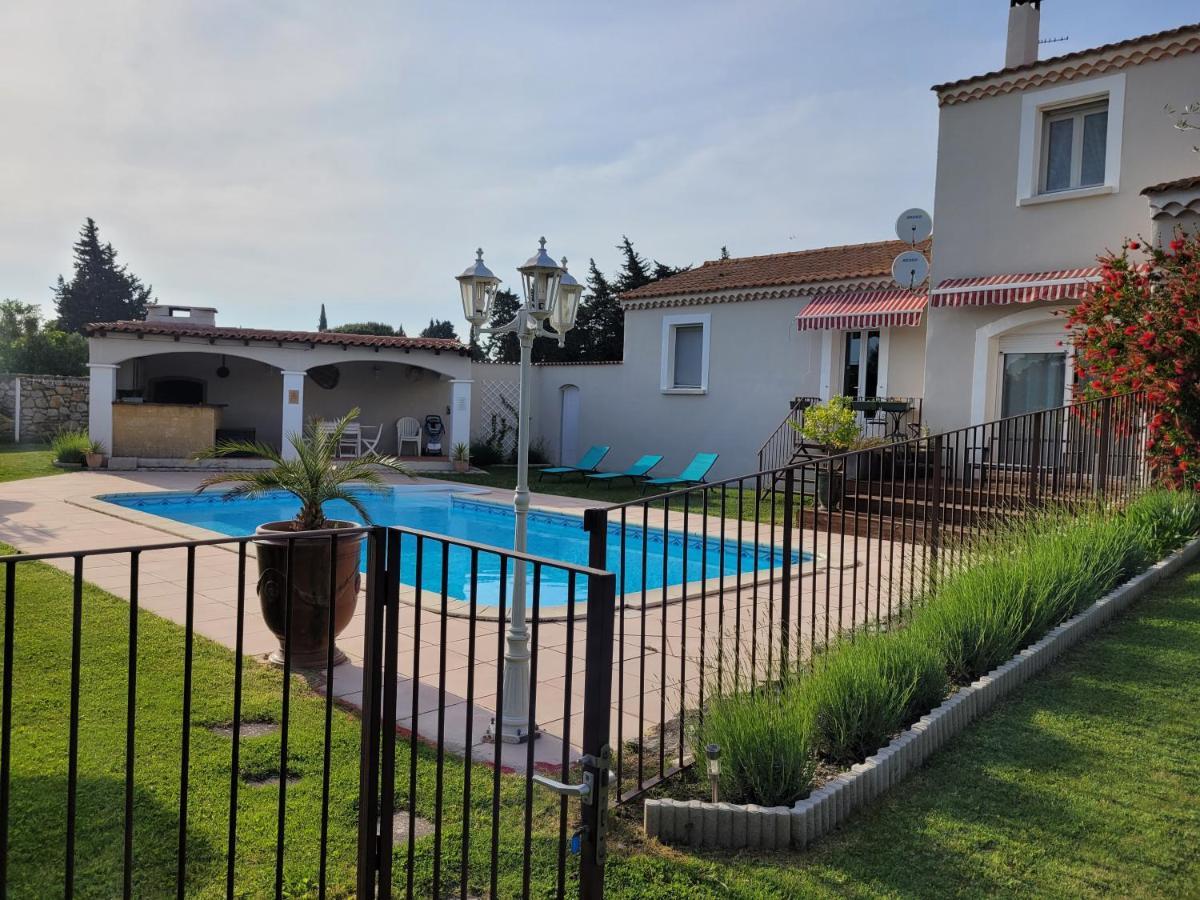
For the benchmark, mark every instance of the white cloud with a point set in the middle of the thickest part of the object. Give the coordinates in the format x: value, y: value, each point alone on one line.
x: 267, y: 157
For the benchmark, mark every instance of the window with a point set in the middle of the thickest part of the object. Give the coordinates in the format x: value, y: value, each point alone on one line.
x: 689, y: 355
x: 860, y: 366
x: 1070, y: 141
x: 685, y: 354
x: 1074, y: 147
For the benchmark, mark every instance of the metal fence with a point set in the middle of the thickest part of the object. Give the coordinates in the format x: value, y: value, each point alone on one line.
x: 776, y: 565
x: 424, y: 654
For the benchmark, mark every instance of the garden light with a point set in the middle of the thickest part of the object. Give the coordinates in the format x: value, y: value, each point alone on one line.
x: 713, y: 751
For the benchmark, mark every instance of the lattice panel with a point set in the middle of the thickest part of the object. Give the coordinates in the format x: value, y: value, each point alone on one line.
x: 499, y: 399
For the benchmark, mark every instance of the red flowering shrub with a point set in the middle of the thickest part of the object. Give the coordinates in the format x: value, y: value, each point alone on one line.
x: 1139, y: 329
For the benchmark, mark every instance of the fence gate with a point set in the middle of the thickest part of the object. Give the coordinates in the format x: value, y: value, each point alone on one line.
x: 507, y: 819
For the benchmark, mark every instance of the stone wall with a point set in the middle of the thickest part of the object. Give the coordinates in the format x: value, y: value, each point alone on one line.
x: 49, y: 404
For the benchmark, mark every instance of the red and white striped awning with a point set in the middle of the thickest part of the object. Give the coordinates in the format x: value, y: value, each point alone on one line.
x: 993, y: 290
x: 863, y: 309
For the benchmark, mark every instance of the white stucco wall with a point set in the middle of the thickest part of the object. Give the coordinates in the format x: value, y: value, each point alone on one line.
x: 981, y: 230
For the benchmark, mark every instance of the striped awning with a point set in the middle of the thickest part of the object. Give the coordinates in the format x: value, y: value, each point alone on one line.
x: 863, y: 309
x: 994, y: 290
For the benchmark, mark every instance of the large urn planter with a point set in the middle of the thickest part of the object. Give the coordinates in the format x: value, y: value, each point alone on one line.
x: 830, y: 484
x: 311, y: 606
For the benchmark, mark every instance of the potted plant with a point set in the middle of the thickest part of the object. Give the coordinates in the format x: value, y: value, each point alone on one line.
x: 895, y: 405
x: 314, y: 479
x: 833, y: 427
x: 95, y: 455
x: 461, y: 454
x: 868, y: 406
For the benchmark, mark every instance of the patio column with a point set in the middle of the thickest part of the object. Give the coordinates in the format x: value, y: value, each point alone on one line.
x: 460, y: 412
x: 293, y: 410
x: 102, y: 393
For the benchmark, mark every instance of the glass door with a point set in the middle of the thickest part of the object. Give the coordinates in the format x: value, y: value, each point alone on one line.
x: 1030, y: 382
x: 860, y: 364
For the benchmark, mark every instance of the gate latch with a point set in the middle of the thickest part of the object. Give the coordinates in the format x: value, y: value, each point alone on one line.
x: 582, y: 791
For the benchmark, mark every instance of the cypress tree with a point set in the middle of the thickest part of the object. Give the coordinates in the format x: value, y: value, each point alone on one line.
x: 322, y: 323
x: 99, y: 290
x: 440, y: 328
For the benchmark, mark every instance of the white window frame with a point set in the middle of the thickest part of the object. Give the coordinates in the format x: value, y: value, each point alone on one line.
x: 1077, y: 114
x: 667, y: 370
x: 1037, y: 105
x: 833, y: 343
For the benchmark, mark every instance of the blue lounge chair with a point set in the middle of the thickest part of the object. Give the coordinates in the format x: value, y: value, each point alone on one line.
x: 638, y: 470
x: 693, y: 474
x: 589, y: 463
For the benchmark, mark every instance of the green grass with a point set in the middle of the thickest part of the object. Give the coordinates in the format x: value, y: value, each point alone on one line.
x: 19, y: 461
x: 39, y: 766
x: 738, y: 503
x: 1085, y: 782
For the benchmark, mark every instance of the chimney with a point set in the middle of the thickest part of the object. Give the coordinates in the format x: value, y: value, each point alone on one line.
x: 1024, y: 17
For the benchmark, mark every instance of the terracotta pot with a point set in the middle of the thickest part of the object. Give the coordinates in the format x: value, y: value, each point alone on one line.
x: 462, y: 465
x: 94, y: 460
x: 310, y: 591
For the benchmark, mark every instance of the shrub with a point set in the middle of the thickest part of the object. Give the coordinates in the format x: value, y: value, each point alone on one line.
x: 766, y: 741
x: 832, y: 424
x: 70, y: 445
x: 1164, y: 520
x: 863, y: 692
x: 483, y: 454
x: 1137, y: 329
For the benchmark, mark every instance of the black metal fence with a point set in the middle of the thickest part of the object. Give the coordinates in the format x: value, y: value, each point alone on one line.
x: 140, y: 758
x: 773, y: 566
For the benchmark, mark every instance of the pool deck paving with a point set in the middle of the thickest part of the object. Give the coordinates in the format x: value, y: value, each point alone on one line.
x: 668, y: 654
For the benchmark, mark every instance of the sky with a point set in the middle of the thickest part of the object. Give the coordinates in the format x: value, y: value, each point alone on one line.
x: 267, y: 157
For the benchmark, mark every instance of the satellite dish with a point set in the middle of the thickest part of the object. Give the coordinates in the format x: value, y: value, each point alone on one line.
x: 909, y: 269
x: 914, y: 226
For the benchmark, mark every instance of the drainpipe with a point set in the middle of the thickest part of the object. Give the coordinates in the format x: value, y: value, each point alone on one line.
x: 17, y: 410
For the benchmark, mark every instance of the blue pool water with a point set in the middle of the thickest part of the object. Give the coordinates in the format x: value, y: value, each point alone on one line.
x: 455, y: 512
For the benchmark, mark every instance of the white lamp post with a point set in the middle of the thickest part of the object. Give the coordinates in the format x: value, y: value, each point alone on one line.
x: 551, y: 299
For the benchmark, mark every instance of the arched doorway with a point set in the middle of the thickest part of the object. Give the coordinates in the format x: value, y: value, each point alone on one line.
x: 568, y: 425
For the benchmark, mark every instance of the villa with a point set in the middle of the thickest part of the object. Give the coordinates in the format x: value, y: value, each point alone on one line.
x: 1042, y: 165
x: 472, y: 685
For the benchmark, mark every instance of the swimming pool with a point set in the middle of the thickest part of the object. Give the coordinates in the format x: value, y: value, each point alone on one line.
x: 456, y: 512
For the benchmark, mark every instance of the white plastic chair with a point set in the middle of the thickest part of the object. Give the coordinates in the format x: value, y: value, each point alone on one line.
x: 370, y: 435
x: 408, y: 431
x: 351, y: 442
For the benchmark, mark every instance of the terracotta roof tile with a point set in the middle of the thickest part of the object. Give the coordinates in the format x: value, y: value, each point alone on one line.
x: 1069, y: 57
x: 1179, y: 184
x: 801, y: 267
x: 216, y: 333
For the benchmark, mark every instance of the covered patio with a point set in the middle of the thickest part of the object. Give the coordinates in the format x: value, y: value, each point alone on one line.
x: 171, y: 386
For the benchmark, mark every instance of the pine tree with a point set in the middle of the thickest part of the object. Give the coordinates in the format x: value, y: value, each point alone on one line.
x: 100, y: 290
x: 440, y: 328
x: 504, y: 347
x: 635, y: 272
x: 724, y: 252
x: 322, y: 323
x: 601, y: 318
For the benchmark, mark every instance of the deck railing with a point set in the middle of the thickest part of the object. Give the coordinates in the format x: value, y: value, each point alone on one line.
x: 893, y: 418
x: 790, y: 558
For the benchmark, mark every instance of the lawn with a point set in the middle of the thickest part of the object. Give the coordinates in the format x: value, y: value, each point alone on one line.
x: 1086, y: 782
x: 19, y: 461
x: 737, y: 503
x: 40, y: 733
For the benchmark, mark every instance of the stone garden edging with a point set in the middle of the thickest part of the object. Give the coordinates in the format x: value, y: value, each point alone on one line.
x: 696, y: 823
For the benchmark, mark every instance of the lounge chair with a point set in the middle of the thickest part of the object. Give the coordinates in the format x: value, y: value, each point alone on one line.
x: 589, y: 463
x: 693, y: 474
x: 634, y: 473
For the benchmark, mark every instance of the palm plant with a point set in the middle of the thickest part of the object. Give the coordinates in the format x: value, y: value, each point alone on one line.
x: 314, y: 476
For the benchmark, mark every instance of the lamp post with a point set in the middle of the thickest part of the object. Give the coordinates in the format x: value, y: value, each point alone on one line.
x: 551, y: 303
